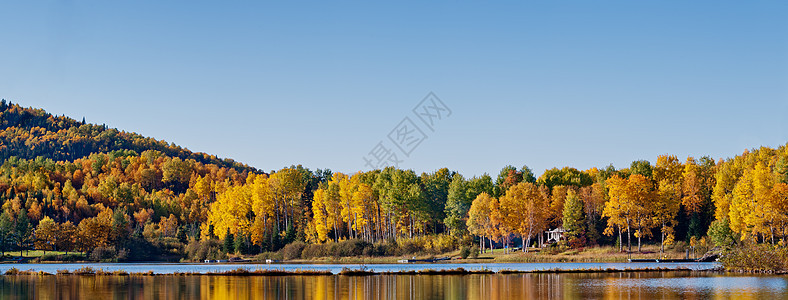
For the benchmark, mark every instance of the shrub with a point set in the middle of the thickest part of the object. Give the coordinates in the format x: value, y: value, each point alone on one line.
x: 756, y: 258
x: 432, y: 244
x: 293, y: 250
x: 474, y: 251
x: 353, y: 247
x: 268, y: 255
x: 465, y: 251
x: 103, y: 254
x: 314, y: 251
x: 199, y: 250
x: 680, y: 246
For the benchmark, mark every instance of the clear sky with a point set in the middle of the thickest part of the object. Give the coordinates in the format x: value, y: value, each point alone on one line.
x: 541, y: 83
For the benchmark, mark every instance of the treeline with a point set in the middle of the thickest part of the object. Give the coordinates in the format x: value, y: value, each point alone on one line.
x: 130, y: 202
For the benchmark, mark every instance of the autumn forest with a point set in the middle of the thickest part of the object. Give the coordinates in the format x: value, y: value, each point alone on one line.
x: 71, y: 186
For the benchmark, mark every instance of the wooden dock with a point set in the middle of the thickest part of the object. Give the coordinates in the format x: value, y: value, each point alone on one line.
x: 429, y: 260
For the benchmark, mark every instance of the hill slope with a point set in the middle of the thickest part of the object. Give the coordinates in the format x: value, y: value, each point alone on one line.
x: 29, y: 133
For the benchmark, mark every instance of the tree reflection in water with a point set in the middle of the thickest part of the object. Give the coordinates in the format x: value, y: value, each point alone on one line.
x: 494, y: 286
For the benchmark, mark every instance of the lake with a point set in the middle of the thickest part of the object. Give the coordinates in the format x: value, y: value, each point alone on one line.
x: 169, y: 268
x: 637, y: 285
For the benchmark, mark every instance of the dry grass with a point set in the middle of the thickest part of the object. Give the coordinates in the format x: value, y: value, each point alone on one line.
x: 14, y: 271
x: 593, y: 254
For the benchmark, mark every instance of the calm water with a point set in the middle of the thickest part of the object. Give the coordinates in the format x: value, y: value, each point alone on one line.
x: 163, y: 268
x: 497, y: 286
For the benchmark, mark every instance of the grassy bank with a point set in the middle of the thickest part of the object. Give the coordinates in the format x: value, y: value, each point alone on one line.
x: 592, y: 254
x: 39, y: 256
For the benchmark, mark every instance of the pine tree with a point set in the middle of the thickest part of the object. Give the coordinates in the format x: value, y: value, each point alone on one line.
x: 229, y: 242
x: 574, y: 220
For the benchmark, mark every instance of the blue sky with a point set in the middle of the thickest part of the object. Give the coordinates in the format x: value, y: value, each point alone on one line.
x: 320, y: 84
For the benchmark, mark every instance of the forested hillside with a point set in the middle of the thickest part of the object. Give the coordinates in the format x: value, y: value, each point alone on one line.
x: 70, y: 186
x: 30, y: 133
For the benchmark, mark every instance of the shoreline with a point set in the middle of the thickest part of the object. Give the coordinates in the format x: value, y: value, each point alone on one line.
x: 88, y: 271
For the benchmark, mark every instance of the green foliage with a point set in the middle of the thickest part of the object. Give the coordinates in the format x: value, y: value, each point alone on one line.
x: 641, y: 167
x: 457, y: 205
x: 565, y: 176
x: 228, y: 244
x: 574, y: 220
x: 474, y: 251
x: 528, y: 174
x: 721, y: 234
x: 465, y: 251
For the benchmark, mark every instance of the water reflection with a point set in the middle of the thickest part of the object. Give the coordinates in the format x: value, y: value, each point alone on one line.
x: 497, y: 286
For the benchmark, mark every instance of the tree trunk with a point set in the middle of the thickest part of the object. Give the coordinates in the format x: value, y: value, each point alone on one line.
x: 629, y: 239
x: 662, y: 245
x: 525, y: 245
x: 771, y: 231
x: 492, y: 248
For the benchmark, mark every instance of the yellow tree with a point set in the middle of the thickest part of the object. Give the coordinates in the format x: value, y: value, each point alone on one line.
x: 741, y: 205
x: 777, y: 209
x: 666, y: 207
x: 95, y: 232
x: 641, y: 195
x: 725, y: 180
x: 204, y: 189
x: 748, y: 210
x: 762, y: 184
x: 46, y: 234
x: 524, y: 209
x: 66, y: 236
x: 629, y: 206
x: 556, y: 209
x: 479, y: 218
x: 668, y: 174
x: 287, y: 187
x: 333, y: 205
x: 347, y: 188
x: 363, y: 209
x: 692, y: 185
x: 319, y: 215
x: 231, y: 212
x: 262, y: 207
x: 617, y: 208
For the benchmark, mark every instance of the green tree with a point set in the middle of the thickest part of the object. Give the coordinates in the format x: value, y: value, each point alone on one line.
x: 564, y: 176
x: 721, y: 234
x: 574, y: 220
x: 457, y: 206
x: 229, y: 243
x: 641, y: 167
x: 23, y: 232
x: 436, y: 190
x: 528, y: 174
x: 507, y: 178
x: 6, y: 232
